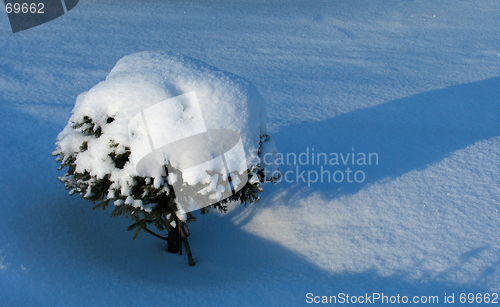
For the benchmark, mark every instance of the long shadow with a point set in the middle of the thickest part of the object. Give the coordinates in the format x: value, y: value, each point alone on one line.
x: 406, y: 134
x: 59, y: 251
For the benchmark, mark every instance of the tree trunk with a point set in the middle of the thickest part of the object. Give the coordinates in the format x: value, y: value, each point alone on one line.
x: 173, y: 242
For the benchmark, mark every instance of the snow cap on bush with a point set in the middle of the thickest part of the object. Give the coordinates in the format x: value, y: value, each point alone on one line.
x: 95, y: 144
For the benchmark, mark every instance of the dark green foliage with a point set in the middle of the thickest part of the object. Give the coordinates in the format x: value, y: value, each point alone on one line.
x: 88, y: 128
x: 119, y: 159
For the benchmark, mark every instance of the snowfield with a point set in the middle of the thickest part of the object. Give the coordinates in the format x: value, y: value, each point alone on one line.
x: 414, y: 83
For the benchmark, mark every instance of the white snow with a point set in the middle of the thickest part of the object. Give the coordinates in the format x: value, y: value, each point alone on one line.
x: 156, y: 99
x: 416, y: 82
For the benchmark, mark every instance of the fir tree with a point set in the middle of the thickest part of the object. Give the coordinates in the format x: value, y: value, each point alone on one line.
x: 150, y: 202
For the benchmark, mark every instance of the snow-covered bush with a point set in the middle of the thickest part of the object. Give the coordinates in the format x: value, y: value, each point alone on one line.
x: 95, y: 145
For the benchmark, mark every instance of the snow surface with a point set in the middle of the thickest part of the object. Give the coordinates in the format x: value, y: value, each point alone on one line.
x: 416, y: 82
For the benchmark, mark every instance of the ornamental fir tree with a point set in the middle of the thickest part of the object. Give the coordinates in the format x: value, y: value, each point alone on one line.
x: 132, y: 145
